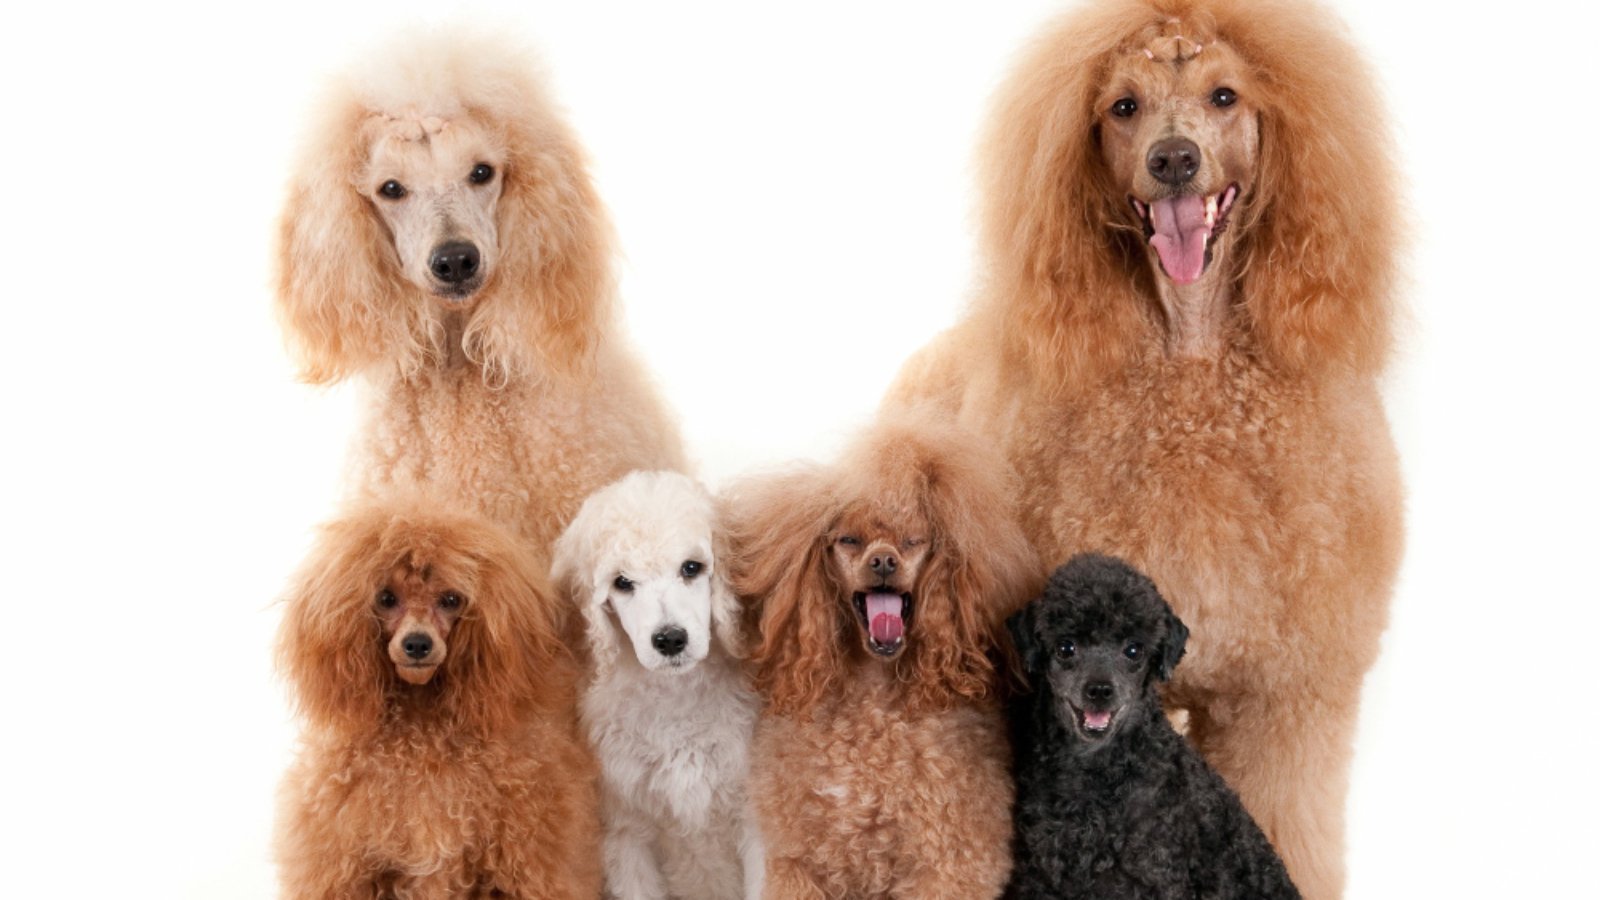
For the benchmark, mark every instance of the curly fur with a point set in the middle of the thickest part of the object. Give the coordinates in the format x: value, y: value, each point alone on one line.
x: 472, y: 781
x: 872, y: 776
x: 1130, y: 810
x: 520, y: 396
x: 1252, y: 475
x: 672, y: 732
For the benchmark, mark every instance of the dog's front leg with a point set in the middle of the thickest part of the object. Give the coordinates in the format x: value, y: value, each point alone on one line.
x: 753, y: 856
x: 631, y: 869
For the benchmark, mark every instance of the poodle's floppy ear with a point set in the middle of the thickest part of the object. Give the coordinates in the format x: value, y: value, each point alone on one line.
x: 727, y: 613
x: 1063, y: 284
x: 330, y: 644
x: 506, y: 660
x: 1174, y: 637
x: 1030, y: 652
x: 572, y: 571
x: 340, y: 294
x: 776, y: 532
x: 980, y: 566
x: 1319, y: 256
x: 554, y: 289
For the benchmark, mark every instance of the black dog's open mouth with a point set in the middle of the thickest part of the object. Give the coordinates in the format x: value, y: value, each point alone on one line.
x: 1183, y: 228
x: 887, y: 618
x: 1093, y: 723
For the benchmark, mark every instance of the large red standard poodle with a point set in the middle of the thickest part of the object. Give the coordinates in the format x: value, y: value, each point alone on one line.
x: 1189, y: 226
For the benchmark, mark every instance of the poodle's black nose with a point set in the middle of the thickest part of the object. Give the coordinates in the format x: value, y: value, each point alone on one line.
x: 670, y: 640
x: 417, y: 645
x: 1099, y: 691
x: 1173, y: 160
x: 454, y: 262
x: 884, y: 564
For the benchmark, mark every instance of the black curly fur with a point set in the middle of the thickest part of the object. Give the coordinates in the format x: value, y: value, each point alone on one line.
x: 1126, y: 809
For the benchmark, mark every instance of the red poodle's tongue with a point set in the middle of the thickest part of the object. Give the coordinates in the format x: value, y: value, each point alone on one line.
x: 885, y: 617
x: 1180, y: 236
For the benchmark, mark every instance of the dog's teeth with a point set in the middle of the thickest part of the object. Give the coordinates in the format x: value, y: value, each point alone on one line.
x: 1211, y: 211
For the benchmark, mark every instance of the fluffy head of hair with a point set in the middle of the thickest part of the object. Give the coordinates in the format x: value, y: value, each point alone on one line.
x: 505, y: 661
x: 346, y: 304
x: 978, y: 568
x: 645, y: 528
x: 1071, y: 286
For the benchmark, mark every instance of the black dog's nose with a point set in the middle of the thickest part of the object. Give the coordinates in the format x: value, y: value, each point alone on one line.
x: 884, y: 564
x: 1100, y: 691
x: 670, y: 640
x: 1173, y: 160
x: 454, y: 262
x: 417, y: 645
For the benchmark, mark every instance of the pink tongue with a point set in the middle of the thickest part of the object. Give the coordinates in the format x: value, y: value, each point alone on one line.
x: 1097, y: 721
x: 884, y: 617
x: 1180, y: 236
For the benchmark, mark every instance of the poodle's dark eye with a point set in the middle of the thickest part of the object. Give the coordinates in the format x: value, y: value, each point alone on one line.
x: 481, y: 173
x: 387, y: 599
x: 392, y: 189
x: 623, y: 584
x: 1125, y: 107
x: 849, y: 540
x: 691, y: 568
x: 1066, y: 650
x: 450, y: 600
x: 1134, y: 650
x: 1223, y: 96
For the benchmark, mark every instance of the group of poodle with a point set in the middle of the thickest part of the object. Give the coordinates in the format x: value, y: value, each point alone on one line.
x: 534, y: 658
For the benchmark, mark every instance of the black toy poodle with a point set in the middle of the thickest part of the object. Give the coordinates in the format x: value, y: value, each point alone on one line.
x: 1111, y: 801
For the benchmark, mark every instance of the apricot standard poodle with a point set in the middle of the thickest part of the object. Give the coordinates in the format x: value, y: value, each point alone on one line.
x: 880, y: 766
x: 442, y: 241
x: 1189, y: 223
x: 439, y: 758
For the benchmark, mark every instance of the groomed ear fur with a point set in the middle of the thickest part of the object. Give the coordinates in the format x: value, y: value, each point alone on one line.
x: 554, y: 291
x: 340, y: 296
x: 980, y: 567
x: 506, y: 660
x: 1062, y: 285
x: 1317, y: 257
x: 1030, y: 653
x: 330, y: 644
x: 572, y: 571
x: 1174, y: 637
x: 727, y: 613
x: 776, y: 529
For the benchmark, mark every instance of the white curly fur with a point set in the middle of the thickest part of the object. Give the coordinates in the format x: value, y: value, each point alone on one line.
x: 672, y: 732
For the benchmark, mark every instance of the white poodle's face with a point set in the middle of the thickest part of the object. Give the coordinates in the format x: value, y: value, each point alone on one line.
x: 435, y: 183
x: 664, y: 606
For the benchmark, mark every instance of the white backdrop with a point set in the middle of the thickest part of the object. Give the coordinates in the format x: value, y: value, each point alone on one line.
x: 791, y: 186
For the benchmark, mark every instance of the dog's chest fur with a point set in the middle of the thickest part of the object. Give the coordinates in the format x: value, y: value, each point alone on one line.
x: 526, y: 453
x: 863, y: 793
x: 673, y: 747
x: 1236, y: 489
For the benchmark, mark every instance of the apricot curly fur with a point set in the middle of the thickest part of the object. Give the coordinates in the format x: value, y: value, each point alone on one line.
x: 472, y: 781
x: 872, y: 777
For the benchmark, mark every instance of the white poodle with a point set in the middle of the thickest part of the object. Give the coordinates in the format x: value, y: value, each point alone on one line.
x: 671, y: 721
